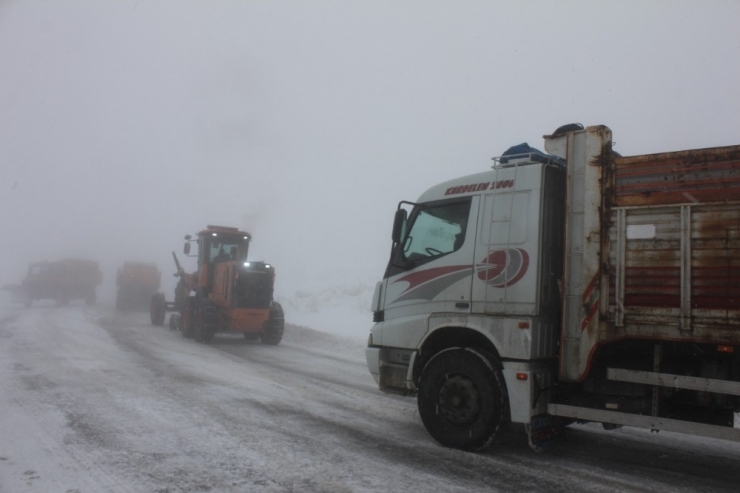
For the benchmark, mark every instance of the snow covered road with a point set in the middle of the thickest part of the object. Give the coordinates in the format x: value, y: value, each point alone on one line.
x: 94, y: 401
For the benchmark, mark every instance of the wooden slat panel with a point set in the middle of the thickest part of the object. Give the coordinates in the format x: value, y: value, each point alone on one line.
x: 715, y: 259
x: 696, y: 176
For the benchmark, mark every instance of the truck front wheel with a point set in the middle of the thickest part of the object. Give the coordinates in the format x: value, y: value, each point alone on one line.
x: 462, y: 398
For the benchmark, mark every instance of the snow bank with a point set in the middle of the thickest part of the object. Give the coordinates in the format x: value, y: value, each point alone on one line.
x: 342, y: 309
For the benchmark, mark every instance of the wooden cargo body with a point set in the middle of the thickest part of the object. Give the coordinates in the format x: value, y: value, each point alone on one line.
x: 653, y: 249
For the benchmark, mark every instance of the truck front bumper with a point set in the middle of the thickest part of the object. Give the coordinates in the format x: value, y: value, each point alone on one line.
x: 372, y: 356
x: 392, y: 369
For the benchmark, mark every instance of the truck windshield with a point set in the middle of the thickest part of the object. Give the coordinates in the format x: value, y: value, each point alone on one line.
x: 436, y: 230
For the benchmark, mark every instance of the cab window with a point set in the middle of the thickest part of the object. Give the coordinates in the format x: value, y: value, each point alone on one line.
x: 436, y: 230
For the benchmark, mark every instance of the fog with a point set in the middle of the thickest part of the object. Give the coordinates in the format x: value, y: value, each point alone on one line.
x: 126, y: 125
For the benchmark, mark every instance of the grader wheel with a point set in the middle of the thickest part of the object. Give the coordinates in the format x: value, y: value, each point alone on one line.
x: 157, y: 309
x: 275, y: 325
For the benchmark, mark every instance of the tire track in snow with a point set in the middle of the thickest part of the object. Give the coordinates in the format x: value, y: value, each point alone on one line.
x: 351, y: 428
x: 36, y: 411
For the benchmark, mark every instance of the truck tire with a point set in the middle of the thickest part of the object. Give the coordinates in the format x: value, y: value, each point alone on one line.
x: 157, y: 309
x: 462, y: 398
x: 275, y: 326
x: 205, y: 322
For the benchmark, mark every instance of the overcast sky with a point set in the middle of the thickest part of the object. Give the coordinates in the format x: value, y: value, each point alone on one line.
x: 125, y: 125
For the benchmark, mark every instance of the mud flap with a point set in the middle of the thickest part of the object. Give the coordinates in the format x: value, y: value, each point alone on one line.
x: 544, y: 431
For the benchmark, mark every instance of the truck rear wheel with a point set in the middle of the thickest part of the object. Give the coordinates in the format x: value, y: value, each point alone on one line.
x: 462, y: 398
x: 275, y: 325
x: 157, y: 309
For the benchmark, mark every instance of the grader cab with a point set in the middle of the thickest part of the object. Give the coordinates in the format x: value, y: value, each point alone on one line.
x: 227, y: 294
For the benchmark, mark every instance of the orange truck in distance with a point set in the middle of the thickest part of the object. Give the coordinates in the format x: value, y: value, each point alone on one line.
x: 136, y: 282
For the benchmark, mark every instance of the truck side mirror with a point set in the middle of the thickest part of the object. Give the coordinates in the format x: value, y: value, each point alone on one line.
x: 399, y: 225
x: 186, y: 249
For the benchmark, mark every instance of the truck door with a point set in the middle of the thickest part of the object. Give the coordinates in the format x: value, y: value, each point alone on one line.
x: 507, y: 253
x: 430, y: 271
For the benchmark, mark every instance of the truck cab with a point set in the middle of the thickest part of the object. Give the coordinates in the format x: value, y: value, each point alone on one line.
x: 475, y: 264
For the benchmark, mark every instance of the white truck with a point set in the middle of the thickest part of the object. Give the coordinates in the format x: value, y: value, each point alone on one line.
x: 577, y: 285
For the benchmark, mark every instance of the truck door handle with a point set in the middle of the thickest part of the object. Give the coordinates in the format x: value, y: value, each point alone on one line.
x: 462, y: 305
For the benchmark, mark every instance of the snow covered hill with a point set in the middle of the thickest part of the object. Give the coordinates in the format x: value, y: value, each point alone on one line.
x: 342, y: 309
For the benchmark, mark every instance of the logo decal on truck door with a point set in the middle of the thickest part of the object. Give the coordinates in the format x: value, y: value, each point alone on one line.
x: 502, y: 268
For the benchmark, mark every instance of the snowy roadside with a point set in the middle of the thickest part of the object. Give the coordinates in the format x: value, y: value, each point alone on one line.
x: 341, y: 309
x: 94, y: 400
